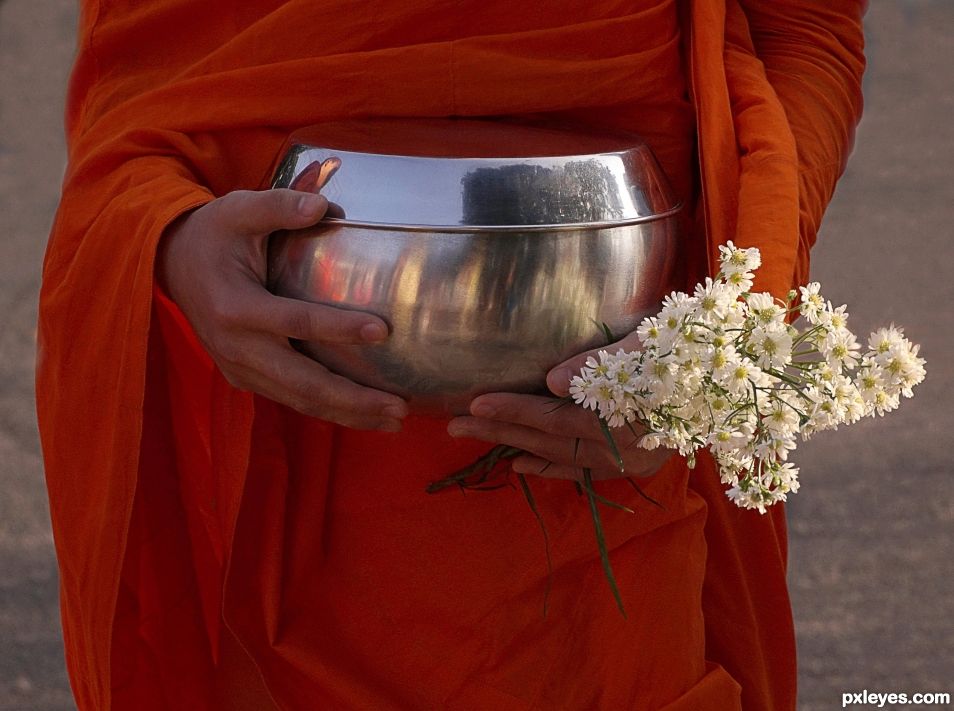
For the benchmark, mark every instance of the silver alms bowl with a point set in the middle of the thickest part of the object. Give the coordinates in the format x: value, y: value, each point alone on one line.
x: 494, y: 250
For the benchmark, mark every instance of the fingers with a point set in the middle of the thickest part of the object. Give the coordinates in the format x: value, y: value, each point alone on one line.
x: 558, y: 379
x: 563, y: 439
x: 213, y: 261
x: 255, y: 213
x: 280, y: 373
x: 257, y: 309
x: 556, y: 417
x: 566, y: 451
x: 541, y: 413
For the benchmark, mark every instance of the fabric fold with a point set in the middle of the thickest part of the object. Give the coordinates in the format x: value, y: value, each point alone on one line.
x: 174, y: 103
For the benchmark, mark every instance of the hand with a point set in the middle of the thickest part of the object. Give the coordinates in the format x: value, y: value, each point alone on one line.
x: 212, y: 263
x: 560, y: 441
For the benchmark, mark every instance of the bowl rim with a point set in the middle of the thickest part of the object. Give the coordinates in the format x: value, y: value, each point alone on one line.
x: 423, y: 191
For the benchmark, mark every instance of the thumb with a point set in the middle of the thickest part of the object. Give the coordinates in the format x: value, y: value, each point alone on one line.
x: 262, y: 212
x: 558, y: 379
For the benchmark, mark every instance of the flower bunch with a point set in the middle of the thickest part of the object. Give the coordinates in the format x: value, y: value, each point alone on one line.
x: 726, y: 369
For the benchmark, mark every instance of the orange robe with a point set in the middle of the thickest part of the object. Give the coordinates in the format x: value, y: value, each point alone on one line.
x: 178, y: 502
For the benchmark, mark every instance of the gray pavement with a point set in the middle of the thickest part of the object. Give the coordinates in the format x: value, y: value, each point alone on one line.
x: 872, y: 531
x: 36, y: 46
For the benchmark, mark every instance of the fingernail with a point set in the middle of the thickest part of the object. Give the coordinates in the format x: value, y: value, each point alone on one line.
x: 483, y: 410
x: 559, y: 380
x: 456, y: 429
x: 374, y: 332
x: 398, y: 411
x: 309, y: 204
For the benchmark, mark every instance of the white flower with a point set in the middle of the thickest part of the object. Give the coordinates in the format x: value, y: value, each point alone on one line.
x: 729, y: 438
x: 841, y: 349
x: 737, y: 266
x: 734, y: 259
x: 885, y: 402
x: 598, y: 385
x: 622, y: 370
x: 587, y: 392
x: 677, y: 303
x: 765, y: 310
x: 775, y: 448
x: 724, y: 372
x: 812, y: 302
x: 832, y: 319
x: 781, y: 420
x: 790, y: 474
x: 771, y: 347
x: 735, y: 315
x: 594, y: 368
x: 884, y: 339
x: 658, y: 376
x: 750, y: 495
x: 770, y: 482
x: 721, y: 360
x: 649, y: 332
x: 713, y: 299
x: 652, y: 440
x: 719, y: 405
x: 902, y: 368
x: 740, y: 282
x: 740, y: 378
x: 826, y: 415
x: 869, y: 380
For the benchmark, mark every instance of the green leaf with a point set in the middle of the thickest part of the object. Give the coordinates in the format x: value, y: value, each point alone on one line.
x: 489, y: 487
x: 612, y: 504
x: 546, y: 538
x: 601, y: 541
x: 608, y: 434
x: 639, y: 490
x: 560, y: 403
x: 475, y: 474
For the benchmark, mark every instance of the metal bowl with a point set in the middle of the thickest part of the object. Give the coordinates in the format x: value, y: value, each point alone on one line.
x: 493, y: 250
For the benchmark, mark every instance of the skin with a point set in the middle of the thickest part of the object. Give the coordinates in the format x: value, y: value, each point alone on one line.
x: 560, y: 441
x: 212, y: 263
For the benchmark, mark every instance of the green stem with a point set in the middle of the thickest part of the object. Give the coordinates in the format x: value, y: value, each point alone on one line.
x: 476, y: 473
x: 546, y: 538
x: 601, y: 540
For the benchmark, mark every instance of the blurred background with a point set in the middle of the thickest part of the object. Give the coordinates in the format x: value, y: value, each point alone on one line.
x: 872, y: 530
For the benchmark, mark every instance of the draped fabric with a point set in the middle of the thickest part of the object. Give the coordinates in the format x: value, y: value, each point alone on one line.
x: 177, y: 501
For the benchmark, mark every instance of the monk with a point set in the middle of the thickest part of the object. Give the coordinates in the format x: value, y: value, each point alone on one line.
x: 237, y: 527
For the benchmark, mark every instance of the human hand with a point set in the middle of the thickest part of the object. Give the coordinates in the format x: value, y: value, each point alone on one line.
x: 212, y: 263
x: 559, y: 441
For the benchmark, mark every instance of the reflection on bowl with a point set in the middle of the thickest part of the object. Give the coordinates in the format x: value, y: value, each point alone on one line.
x: 489, y: 268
